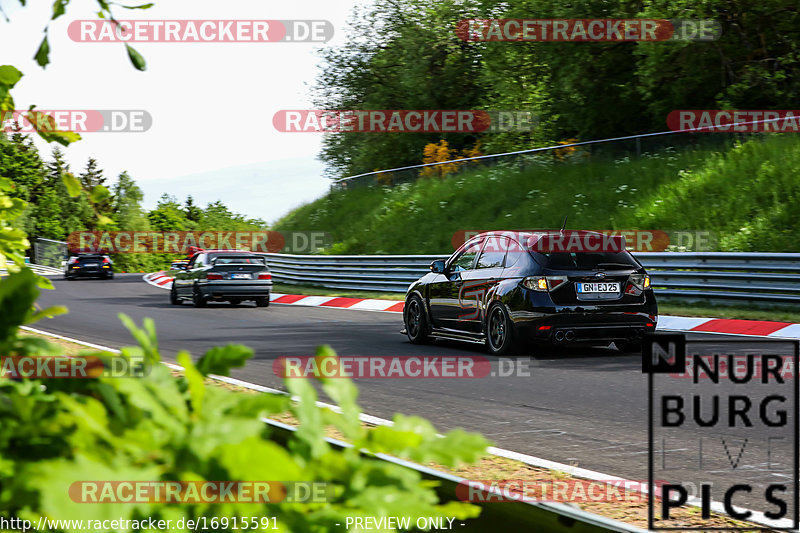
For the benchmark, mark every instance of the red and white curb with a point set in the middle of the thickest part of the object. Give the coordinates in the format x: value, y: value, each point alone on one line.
x: 730, y: 326
x: 159, y: 279
x: 163, y: 281
x: 756, y: 328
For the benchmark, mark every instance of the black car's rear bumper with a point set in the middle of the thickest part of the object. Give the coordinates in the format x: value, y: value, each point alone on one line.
x: 580, y: 331
x: 89, y: 272
x: 584, y: 323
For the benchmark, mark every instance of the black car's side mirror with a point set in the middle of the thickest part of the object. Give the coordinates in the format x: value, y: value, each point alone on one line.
x: 437, y: 267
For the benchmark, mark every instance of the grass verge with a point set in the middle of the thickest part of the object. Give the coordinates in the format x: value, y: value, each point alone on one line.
x: 744, y: 195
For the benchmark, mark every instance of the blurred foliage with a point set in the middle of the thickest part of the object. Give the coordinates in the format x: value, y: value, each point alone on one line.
x: 167, y: 428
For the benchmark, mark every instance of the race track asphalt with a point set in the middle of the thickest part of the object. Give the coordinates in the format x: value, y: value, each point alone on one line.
x: 585, y: 407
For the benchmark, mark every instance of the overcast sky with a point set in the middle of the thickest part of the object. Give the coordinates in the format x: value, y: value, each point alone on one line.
x: 211, y: 103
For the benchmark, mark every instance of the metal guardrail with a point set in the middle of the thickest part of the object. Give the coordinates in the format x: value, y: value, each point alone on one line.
x: 42, y: 270
x: 496, y: 514
x: 757, y: 277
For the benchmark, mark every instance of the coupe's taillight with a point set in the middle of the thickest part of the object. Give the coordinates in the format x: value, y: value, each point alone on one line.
x: 106, y: 260
x: 72, y: 260
x: 265, y: 276
x: 543, y: 283
x: 213, y: 275
x: 640, y: 281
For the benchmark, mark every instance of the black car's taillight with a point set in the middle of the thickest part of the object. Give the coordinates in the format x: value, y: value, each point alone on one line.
x: 640, y: 281
x: 544, y: 283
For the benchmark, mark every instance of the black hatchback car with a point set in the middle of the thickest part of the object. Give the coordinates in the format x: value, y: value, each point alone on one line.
x: 508, y: 289
x: 89, y: 265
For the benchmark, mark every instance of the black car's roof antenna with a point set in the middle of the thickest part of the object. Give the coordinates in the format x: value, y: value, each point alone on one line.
x: 564, y: 225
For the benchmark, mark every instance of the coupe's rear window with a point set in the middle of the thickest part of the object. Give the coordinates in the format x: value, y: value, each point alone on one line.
x: 587, y: 260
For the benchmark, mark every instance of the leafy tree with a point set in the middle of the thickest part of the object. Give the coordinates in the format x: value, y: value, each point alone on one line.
x: 168, y: 215
x: 92, y: 180
x: 76, y: 211
x: 754, y: 65
x: 20, y: 162
x: 126, y: 205
x: 193, y: 211
x: 92, y: 176
x: 217, y: 216
x: 411, y: 60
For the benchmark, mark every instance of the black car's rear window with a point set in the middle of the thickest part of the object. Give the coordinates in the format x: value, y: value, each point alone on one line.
x: 89, y: 258
x: 587, y: 260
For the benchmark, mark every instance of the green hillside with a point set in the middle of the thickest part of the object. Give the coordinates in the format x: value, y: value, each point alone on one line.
x: 747, y: 195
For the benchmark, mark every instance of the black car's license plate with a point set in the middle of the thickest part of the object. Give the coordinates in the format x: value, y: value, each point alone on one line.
x: 598, y: 287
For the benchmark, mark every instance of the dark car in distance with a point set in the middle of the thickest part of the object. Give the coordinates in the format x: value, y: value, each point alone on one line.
x: 510, y: 289
x: 223, y: 275
x: 89, y: 266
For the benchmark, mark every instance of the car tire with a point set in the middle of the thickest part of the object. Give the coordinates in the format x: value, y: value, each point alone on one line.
x: 262, y: 301
x: 68, y: 277
x: 416, y: 321
x: 197, y: 297
x: 173, y: 296
x: 501, y: 337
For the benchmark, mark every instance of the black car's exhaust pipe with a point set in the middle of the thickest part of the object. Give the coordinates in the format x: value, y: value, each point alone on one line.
x: 569, y: 336
x: 559, y: 335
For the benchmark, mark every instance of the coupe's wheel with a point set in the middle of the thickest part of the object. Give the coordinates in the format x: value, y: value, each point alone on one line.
x: 416, y: 321
x: 173, y: 296
x: 500, y: 334
x: 197, y: 298
x: 262, y: 301
x: 67, y: 276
